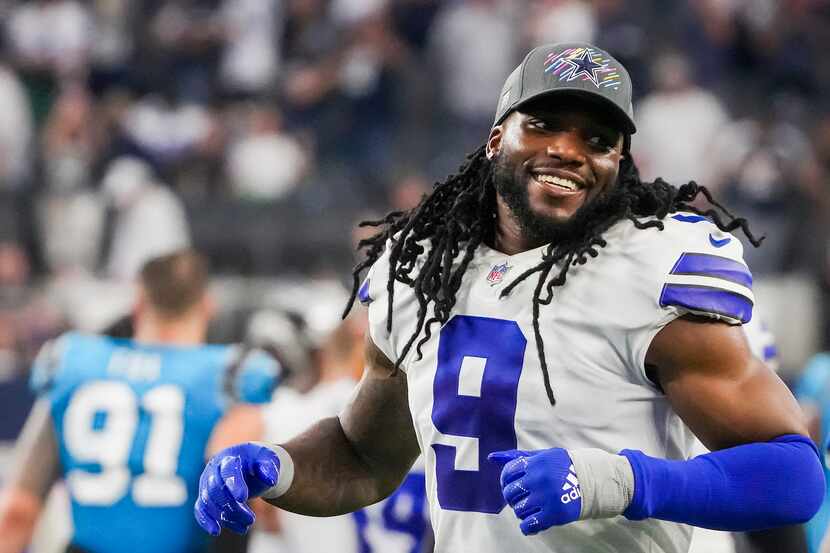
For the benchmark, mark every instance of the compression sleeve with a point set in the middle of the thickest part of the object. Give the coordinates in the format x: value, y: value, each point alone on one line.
x: 747, y: 487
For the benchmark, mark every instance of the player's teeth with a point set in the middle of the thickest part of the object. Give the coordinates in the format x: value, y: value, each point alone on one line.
x: 558, y: 181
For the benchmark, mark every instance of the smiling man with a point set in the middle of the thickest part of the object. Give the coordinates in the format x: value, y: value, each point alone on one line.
x: 552, y: 333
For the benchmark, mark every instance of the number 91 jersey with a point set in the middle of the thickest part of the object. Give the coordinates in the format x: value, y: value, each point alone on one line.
x: 132, y: 422
x: 478, y: 386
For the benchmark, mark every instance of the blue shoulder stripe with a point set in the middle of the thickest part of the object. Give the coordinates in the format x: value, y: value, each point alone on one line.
x: 689, y: 218
x: 704, y: 264
x: 363, y: 293
x: 708, y: 300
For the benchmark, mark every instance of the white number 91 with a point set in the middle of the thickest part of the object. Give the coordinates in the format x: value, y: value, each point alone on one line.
x: 110, y: 445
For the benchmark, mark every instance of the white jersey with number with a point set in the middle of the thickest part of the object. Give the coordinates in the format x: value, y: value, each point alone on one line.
x: 478, y: 386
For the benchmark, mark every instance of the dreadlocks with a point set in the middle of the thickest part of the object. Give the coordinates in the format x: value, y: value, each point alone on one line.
x: 459, y: 214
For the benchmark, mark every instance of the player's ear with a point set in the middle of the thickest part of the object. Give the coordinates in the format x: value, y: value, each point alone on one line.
x: 140, y: 305
x: 494, y: 142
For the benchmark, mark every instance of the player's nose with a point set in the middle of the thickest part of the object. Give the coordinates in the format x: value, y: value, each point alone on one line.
x: 567, y: 147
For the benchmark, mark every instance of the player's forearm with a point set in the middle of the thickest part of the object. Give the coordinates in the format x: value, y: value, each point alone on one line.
x: 747, y: 487
x: 331, y: 477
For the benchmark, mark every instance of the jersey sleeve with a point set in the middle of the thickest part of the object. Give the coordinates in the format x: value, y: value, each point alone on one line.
x: 254, y: 374
x: 48, y: 364
x: 689, y: 267
x: 374, y: 294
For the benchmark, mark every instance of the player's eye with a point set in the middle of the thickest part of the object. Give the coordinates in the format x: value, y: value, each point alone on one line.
x: 600, y: 143
x: 540, y: 124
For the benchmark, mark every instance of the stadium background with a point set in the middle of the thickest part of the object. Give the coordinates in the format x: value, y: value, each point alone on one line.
x: 260, y: 131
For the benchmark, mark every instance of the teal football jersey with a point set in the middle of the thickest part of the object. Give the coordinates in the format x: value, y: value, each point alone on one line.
x: 132, y: 423
x: 813, y: 388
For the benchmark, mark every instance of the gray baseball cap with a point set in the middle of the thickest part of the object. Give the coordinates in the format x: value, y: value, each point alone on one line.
x: 575, y: 68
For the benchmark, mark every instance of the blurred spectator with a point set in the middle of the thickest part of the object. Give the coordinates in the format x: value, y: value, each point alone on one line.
x: 27, y: 320
x: 167, y: 131
x: 51, y: 35
x: 265, y: 164
x: 114, y: 42
x: 621, y: 29
x: 71, y: 226
x: 68, y: 149
x: 185, y: 39
x: 710, y: 34
x: 761, y: 167
x: 70, y: 215
x: 474, y: 46
x: 150, y: 220
x: 251, y: 57
x: 15, y: 130
x: 676, y: 125
x: 413, y: 20
x: 368, y: 68
x: 561, y: 21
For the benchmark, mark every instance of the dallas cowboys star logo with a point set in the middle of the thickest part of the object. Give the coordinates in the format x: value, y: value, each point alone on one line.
x: 584, y: 65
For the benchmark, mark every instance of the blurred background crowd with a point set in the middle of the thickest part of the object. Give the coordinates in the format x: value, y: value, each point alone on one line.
x: 260, y: 131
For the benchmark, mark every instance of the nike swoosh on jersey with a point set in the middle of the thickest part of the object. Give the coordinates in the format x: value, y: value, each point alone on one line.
x: 719, y: 243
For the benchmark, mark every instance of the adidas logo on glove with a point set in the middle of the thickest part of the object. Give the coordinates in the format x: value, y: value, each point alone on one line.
x: 571, y: 487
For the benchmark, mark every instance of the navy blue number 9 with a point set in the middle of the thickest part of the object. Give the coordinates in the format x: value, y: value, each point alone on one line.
x: 411, y: 520
x: 476, y: 384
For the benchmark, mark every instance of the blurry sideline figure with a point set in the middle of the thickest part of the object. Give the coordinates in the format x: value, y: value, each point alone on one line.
x: 400, y: 524
x: 813, y: 392
x: 127, y: 423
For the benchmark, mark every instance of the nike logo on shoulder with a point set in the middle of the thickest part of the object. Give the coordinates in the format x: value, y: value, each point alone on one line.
x: 719, y: 243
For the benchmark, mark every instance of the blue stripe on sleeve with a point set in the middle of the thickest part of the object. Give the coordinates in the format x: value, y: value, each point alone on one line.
x: 363, y: 293
x: 770, y: 352
x: 707, y: 300
x: 689, y: 218
x: 704, y: 264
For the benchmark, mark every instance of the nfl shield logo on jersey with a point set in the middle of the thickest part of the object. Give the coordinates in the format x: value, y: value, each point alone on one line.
x: 496, y: 274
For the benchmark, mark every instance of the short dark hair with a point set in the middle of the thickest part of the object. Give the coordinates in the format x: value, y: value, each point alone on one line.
x: 175, y: 282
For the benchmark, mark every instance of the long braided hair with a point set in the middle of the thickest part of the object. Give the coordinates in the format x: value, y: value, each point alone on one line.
x: 459, y: 215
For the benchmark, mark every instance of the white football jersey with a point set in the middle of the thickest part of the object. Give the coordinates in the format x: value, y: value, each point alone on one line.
x: 399, y: 524
x: 478, y: 387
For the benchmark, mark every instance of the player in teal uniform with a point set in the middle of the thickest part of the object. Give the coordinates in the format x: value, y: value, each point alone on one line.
x: 126, y: 422
x: 813, y: 392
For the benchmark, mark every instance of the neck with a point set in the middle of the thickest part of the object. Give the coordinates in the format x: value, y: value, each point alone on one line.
x: 509, y: 237
x: 184, y: 331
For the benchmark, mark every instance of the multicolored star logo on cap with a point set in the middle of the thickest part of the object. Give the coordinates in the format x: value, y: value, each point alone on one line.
x: 585, y: 63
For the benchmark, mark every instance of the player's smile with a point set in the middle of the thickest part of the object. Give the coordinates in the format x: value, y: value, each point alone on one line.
x: 558, y: 183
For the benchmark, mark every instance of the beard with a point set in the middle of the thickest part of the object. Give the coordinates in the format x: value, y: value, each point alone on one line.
x: 541, y: 229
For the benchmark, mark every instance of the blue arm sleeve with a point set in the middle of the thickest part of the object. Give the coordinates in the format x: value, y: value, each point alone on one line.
x: 748, y: 487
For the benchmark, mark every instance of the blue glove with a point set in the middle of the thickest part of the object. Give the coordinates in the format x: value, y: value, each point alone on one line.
x: 540, y: 486
x: 230, y: 478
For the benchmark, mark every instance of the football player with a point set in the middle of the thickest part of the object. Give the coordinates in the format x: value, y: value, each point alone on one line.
x: 126, y: 422
x: 813, y: 392
x: 552, y: 333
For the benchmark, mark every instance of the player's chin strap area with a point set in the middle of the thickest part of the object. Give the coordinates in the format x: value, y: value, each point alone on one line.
x: 747, y: 487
